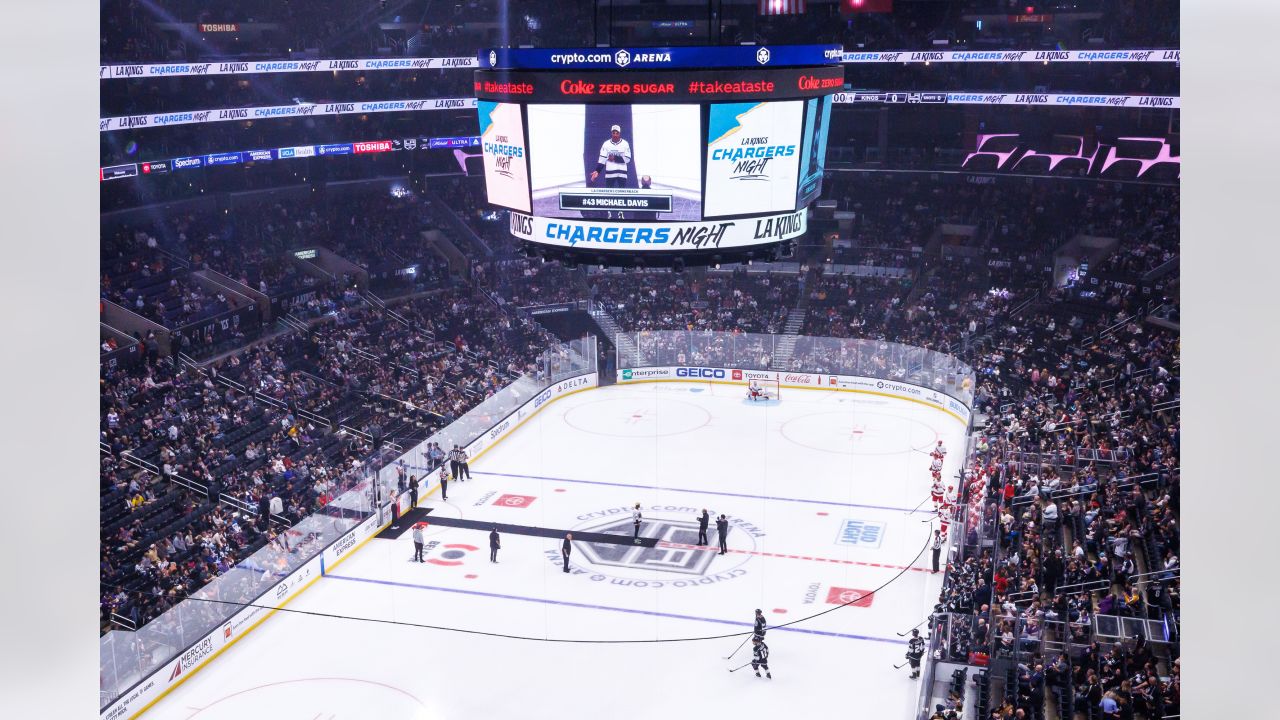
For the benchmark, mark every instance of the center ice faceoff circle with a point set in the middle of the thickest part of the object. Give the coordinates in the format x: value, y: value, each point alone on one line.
x: 676, y: 560
x: 859, y: 433
x: 627, y: 417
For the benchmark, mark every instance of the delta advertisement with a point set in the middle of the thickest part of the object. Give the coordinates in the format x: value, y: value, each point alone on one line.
x: 506, y: 161
x: 753, y: 157
x: 838, y: 383
x: 674, y: 236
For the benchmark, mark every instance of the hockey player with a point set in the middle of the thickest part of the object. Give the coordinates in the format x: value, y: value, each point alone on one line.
x: 936, y: 493
x: 760, y: 627
x: 915, y: 651
x: 760, y: 657
x: 939, y: 451
x: 944, y: 519
x: 935, y: 467
x: 754, y: 392
x: 615, y: 155
x: 949, y: 499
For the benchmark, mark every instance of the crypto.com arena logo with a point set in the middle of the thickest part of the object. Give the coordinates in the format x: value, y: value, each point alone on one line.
x: 622, y: 58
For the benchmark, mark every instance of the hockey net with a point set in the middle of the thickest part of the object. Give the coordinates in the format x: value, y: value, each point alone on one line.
x: 771, y: 388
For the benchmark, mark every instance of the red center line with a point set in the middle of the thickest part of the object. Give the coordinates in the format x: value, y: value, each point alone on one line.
x: 838, y: 561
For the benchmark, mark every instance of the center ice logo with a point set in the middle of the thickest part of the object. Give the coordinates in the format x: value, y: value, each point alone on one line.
x: 683, y: 560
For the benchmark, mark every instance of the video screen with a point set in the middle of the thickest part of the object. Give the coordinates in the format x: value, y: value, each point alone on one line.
x: 506, y: 170
x: 616, y: 162
x: 753, y: 157
x: 813, y: 149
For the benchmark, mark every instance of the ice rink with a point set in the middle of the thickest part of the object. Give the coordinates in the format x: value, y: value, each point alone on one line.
x: 818, y: 488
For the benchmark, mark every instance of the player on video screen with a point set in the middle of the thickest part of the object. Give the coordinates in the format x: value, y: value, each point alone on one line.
x: 615, y: 155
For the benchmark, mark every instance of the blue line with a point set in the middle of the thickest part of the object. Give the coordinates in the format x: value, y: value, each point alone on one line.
x: 587, y: 606
x: 695, y: 492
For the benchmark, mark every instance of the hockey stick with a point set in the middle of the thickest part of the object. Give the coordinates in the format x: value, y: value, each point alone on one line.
x: 898, y: 667
x: 735, y: 652
x: 917, y: 507
x: 738, y: 668
x: 913, y: 627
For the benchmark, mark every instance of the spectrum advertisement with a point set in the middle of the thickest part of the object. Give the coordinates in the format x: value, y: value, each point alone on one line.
x: 506, y: 163
x: 753, y: 157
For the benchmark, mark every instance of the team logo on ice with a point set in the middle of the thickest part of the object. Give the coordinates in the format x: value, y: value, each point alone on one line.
x: 453, y: 554
x: 683, y: 560
x: 762, y: 56
x: 622, y: 58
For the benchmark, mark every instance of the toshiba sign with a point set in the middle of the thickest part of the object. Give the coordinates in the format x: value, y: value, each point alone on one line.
x: 376, y: 146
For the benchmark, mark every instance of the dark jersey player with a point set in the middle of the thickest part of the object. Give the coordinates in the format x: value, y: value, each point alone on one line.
x: 760, y: 657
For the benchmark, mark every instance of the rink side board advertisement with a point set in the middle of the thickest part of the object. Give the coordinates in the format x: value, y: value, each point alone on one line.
x: 753, y: 158
x: 173, y: 673
x: 509, y: 424
x: 506, y: 159
x: 837, y: 383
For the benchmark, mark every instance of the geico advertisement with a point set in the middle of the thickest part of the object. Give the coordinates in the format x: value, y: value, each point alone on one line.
x: 506, y: 168
x: 753, y: 157
x: 659, y: 236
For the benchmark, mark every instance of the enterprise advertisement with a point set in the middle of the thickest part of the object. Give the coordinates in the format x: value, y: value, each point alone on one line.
x: 753, y: 157
x: 506, y: 170
x: 616, y: 162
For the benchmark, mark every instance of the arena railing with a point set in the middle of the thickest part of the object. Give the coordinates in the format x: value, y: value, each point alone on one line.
x: 875, y: 359
x: 126, y: 658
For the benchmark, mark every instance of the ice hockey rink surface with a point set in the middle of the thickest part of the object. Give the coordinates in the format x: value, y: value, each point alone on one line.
x: 819, y: 488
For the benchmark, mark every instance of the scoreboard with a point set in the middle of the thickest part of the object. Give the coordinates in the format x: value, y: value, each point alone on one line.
x: 656, y: 152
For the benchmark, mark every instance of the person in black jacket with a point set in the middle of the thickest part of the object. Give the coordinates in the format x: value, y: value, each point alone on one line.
x: 760, y: 626
x: 703, y: 519
x: 494, y: 545
x: 722, y: 527
x: 413, y: 491
x: 566, y: 547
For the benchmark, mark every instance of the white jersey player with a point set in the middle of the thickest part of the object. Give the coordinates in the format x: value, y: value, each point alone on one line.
x: 936, y: 493
x: 615, y: 156
x: 939, y: 452
x: 949, y: 499
x: 944, y: 519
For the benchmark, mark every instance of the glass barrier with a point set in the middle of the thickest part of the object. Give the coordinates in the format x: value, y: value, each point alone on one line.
x: 126, y: 657
x: 834, y: 356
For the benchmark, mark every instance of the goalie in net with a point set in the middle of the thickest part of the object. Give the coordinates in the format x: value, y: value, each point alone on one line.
x: 762, y: 390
